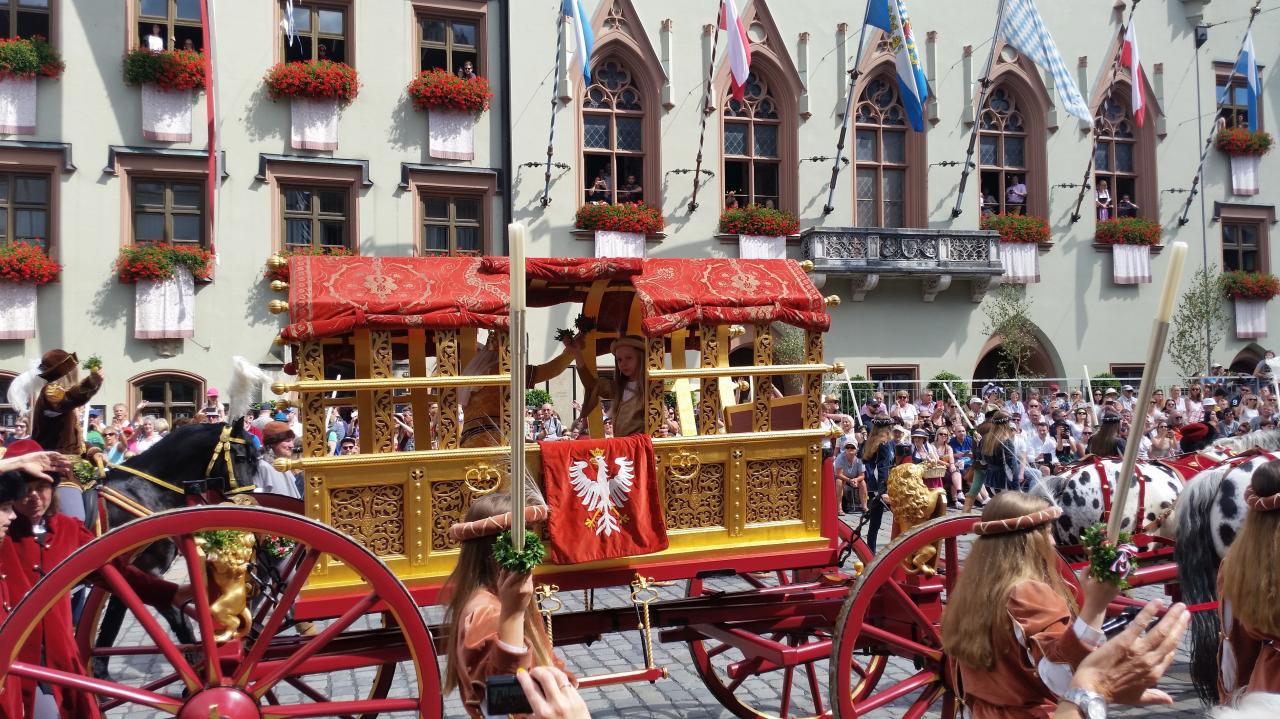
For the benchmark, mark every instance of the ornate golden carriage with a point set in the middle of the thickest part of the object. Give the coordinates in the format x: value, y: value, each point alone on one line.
x: 741, y: 483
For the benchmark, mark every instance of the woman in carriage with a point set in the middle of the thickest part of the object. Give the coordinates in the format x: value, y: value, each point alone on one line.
x: 1250, y: 581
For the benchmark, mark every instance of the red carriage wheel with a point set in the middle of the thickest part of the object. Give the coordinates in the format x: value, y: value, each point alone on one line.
x: 724, y: 667
x: 291, y: 674
x: 896, y: 616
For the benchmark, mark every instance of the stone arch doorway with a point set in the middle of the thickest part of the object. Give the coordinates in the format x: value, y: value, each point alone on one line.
x: 1247, y: 359
x: 1044, y: 360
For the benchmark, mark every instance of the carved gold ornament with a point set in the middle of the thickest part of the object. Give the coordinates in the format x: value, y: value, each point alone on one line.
x: 683, y: 465
x: 482, y: 478
x: 228, y: 571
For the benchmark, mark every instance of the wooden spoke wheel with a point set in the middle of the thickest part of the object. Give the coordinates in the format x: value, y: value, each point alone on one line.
x: 724, y: 667
x: 897, y: 616
x: 271, y: 670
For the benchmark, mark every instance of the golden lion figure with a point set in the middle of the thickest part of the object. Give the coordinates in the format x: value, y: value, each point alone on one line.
x: 228, y: 572
x: 913, y: 504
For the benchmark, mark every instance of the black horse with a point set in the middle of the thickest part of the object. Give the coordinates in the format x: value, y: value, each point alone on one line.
x: 194, y: 460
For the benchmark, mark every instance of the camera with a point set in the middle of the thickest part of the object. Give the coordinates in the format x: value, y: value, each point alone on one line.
x: 503, y: 695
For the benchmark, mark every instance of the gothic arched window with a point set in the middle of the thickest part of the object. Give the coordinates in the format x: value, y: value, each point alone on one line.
x: 881, y: 155
x: 751, y: 145
x: 1115, y: 158
x: 1002, y: 155
x: 613, y: 137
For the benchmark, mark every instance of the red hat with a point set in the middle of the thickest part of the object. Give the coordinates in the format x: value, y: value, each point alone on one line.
x: 56, y: 364
x: 23, y: 447
x: 1195, y: 433
x: 1053, y: 388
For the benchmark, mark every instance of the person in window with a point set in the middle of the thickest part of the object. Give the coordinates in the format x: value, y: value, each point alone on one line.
x: 631, y: 191
x: 1127, y: 208
x: 467, y: 71
x: 1103, y: 200
x: 730, y: 200
x: 990, y: 205
x: 322, y: 52
x: 188, y: 45
x: 598, y: 193
x: 1016, y: 195
x: 154, y: 41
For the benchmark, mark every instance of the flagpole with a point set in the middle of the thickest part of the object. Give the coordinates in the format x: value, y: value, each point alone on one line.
x: 555, y: 105
x: 707, y: 109
x: 1097, y: 132
x: 854, y: 72
x: 1204, y: 152
x: 206, y: 31
x: 985, y: 83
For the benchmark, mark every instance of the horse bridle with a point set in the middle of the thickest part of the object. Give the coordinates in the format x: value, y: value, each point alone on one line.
x: 223, y: 449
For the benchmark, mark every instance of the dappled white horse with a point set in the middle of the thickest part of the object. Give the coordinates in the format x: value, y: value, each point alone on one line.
x: 1086, y: 489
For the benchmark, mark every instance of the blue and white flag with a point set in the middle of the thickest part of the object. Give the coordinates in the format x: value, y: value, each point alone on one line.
x: 891, y: 16
x: 1024, y: 29
x: 286, y: 23
x: 1247, y: 65
x: 572, y: 9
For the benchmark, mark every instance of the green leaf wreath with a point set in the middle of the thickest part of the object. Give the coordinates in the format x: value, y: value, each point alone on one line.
x: 84, y: 472
x: 93, y: 364
x: 1108, y: 560
x: 505, y: 554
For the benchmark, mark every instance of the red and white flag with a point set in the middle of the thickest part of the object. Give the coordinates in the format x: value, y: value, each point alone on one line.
x: 603, y: 496
x: 1129, y: 58
x: 739, y: 47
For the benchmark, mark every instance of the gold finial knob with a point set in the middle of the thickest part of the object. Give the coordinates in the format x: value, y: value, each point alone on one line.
x: 277, y: 262
x: 278, y: 341
x: 806, y: 265
x: 744, y: 385
x: 837, y: 367
x: 737, y: 330
x: 282, y: 464
x: 279, y: 387
x: 833, y: 300
x: 279, y: 285
x: 276, y: 307
x: 281, y: 405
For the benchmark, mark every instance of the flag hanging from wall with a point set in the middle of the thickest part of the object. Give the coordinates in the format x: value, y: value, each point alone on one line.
x: 891, y: 17
x: 739, y: 47
x: 1247, y: 65
x: 1023, y: 28
x: 1129, y: 58
x: 572, y: 9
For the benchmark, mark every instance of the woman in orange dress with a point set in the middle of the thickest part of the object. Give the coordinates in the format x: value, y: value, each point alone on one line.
x: 1250, y: 582
x: 494, y: 626
x: 1011, y: 621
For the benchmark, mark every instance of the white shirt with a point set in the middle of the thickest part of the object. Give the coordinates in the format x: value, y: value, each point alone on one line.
x: 1128, y: 402
x: 155, y: 43
x: 1144, y: 447
x: 1022, y: 446
x: 907, y: 413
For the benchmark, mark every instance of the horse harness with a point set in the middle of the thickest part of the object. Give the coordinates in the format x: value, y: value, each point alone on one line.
x: 221, y: 450
x: 1105, y: 484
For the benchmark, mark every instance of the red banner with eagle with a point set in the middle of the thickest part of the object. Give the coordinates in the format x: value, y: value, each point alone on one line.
x: 603, y: 496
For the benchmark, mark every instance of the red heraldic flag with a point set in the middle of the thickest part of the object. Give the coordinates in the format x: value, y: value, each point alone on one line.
x: 739, y: 48
x: 1129, y: 57
x: 603, y: 496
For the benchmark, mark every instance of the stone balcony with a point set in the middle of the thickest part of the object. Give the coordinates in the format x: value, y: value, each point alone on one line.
x: 866, y: 255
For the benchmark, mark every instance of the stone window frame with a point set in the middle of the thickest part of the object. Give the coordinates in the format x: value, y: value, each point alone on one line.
x: 349, y: 31
x: 13, y: 8
x: 1015, y: 72
x: 425, y: 182
x: 135, y: 383
x: 316, y: 36
x: 890, y: 391
x: 1260, y: 217
x: 308, y: 172
x: 40, y: 162
x: 131, y: 166
x: 1223, y: 70
x: 475, y: 11
x: 133, y: 37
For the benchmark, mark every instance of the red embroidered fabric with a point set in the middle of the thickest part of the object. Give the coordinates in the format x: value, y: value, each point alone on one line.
x: 335, y: 295
x: 676, y: 293
x: 570, y: 270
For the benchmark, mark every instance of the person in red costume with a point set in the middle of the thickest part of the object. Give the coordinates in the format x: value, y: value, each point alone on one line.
x: 40, y: 538
x: 13, y: 485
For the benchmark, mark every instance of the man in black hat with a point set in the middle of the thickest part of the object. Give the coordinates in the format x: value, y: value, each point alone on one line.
x: 53, y: 414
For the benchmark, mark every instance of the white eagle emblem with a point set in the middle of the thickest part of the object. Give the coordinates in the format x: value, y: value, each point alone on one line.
x: 603, y: 496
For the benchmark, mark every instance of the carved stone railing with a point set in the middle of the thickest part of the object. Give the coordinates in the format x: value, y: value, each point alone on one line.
x: 866, y: 255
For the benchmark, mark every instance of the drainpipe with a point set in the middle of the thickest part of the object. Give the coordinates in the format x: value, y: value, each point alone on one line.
x: 504, y: 61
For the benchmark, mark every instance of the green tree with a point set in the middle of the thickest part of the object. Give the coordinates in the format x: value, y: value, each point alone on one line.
x: 536, y: 397
x: 1198, y: 323
x: 1008, y: 313
x: 959, y: 387
x: 1103, y: 381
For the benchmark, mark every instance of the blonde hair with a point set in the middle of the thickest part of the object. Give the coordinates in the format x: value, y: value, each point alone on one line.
x: 475, y: 571
x: 996, y: 563
x: 1250, y: 573
x: 880, y: 433
x: 997, y: 431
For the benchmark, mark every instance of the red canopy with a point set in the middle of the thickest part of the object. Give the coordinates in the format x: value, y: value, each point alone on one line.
x: 676, y: 293
x: 336, y: 295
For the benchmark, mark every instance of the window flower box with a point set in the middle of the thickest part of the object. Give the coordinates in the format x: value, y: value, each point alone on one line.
x: 318, y: 90
x: 23, y: 268
x: 1250, y: 291
x: 22, y: 61
x: 169, y: 80
x: 1245, y: 150
x: 620, y: 230
x: 1020, y: 240
x: 164, y: 280
x: 281, y: 272
x: 453, y: 106
x: 762, y: 232
x: 1131, y: 240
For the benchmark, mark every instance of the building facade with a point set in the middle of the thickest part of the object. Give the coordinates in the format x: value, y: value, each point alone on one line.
x: 912, y: 278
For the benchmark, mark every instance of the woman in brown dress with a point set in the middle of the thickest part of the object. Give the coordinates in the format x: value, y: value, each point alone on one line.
x: 1011, y: 622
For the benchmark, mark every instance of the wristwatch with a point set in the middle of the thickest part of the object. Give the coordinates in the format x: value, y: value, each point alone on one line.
x: 1091, y: 704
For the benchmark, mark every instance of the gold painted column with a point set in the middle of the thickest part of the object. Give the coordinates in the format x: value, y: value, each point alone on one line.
x: 505, y: 400
x: 761, y: 416
x: 655, y: 409
x: 447, y: 366
x: 709, y: 405
x: 377, y: 407
x: 813, y: 380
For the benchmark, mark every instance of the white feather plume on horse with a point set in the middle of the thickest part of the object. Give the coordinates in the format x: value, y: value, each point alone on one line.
x: 24, y: 388
x: 247, y: 379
